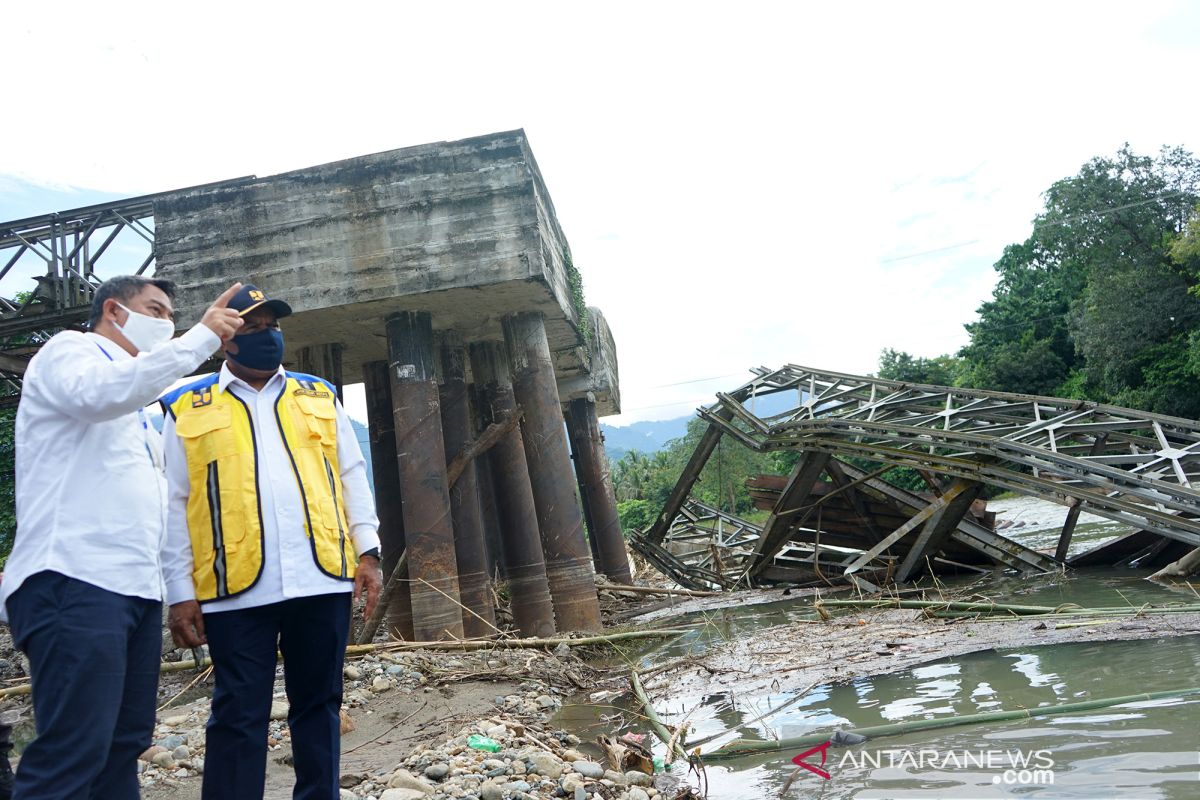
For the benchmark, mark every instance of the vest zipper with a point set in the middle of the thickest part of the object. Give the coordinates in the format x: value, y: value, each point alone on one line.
x: 336, y: 515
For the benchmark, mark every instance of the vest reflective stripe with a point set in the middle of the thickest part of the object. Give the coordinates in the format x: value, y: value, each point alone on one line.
x: 224, y: 511
x: 218, y: 541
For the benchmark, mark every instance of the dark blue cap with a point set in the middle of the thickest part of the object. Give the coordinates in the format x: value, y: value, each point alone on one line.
x: 250, y: 297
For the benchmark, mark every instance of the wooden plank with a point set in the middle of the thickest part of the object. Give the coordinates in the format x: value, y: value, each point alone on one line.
x: 1068, y: 529
x: 895, y: 536
x: 792, y: 500
x: 955, y: 503
x: 834, y: 468
x: 969, y: 533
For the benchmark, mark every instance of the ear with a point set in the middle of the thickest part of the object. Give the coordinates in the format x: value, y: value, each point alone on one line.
x: 112, y: 308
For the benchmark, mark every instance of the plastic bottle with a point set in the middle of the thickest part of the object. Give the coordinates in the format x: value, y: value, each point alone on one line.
x: 484, y: 743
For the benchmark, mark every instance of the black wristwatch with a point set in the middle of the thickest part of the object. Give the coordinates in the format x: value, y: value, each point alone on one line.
x: 373, y: 553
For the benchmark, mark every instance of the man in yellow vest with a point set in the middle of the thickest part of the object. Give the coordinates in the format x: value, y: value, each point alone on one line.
x: 271, y: 526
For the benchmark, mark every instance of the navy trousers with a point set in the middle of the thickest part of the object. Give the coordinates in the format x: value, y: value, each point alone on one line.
x: 95, y: 660
x: 311, y: 633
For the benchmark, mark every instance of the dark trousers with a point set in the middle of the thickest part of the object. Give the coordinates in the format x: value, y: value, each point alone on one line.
x: 94, y: 656
x: 311, y: 633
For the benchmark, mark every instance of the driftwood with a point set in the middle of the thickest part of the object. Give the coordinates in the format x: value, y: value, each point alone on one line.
x: 368, y: 631
x: 491, y: 434
x: 1182, y: 568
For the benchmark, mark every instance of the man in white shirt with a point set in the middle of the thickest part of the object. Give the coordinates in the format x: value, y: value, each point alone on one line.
x: 271, y: 526
x: 82, y: 589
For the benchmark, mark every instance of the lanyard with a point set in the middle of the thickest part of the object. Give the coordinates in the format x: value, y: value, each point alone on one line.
x: 141, y: 418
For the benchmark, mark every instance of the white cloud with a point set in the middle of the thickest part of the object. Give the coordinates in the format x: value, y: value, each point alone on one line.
x: 737, y: 182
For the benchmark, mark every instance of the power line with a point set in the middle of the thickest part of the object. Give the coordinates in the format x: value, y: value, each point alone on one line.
x: 698, y: 380
x: 930, y: 252
x: 1049, y: 223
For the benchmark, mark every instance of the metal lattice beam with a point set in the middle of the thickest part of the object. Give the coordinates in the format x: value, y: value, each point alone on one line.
x: 1130, y: 466
x: 64, y: 249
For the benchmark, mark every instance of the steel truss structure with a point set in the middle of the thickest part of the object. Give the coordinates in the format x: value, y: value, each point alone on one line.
x: 69, y: 245
x: 1125, y: 465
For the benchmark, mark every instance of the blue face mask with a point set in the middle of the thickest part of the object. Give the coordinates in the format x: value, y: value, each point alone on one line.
x: 262, y: 350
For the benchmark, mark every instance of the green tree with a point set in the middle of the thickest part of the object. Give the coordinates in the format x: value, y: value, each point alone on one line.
x: 635, y: 514
x: 897, y: 365
x: 1097, y: 302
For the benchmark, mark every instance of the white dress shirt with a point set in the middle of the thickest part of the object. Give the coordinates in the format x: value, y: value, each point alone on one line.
x: 90, y: 493
x: 288, y: 566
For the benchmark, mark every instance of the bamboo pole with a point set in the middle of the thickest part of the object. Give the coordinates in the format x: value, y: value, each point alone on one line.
x: 485, y: 644
x: 947, y: 605
x: 463, y: 644
x: 968, y: 608
x: 629, y: 589
x: 656, y: 725
x: 742, y: 747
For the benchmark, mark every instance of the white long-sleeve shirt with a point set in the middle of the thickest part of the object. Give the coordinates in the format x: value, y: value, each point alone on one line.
x: 288, y: 566
x: 90, y: 493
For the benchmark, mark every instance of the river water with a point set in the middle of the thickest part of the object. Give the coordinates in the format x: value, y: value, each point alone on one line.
x: 1133, y: 750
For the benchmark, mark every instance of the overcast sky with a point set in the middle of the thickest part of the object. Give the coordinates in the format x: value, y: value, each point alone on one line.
x: 742, y: 184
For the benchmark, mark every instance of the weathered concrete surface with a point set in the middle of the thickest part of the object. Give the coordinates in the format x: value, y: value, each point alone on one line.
x: 599, y: 378
x: 464, y: 230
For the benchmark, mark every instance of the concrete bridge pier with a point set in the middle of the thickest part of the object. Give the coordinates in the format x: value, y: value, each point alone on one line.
x: 324, y: 361
x: 568, y: 560
x: 595, y: 482
x: 428, y: 530
x: 528, y: 587
x: 381, y: 426
x: 475, y: 590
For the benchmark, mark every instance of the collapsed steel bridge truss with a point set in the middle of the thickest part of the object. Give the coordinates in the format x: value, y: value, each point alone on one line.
x: 1129, y: 466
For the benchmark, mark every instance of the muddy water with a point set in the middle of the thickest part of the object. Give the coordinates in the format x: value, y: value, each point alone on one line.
x: 1135, y: 750
x: 1036, y: 523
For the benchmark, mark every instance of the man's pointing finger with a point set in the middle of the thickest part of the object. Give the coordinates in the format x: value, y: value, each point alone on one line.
x: 227, y: 295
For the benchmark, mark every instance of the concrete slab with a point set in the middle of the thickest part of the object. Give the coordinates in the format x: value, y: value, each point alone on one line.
x: 464, y: 230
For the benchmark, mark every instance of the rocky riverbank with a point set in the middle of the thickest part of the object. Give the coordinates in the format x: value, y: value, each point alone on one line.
x: 408, y: 725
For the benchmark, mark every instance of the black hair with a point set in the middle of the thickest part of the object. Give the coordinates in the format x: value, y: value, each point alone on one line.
x: 124, y: 288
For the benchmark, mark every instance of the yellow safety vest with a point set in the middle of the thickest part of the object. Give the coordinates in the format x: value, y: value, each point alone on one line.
x: 224, y: 512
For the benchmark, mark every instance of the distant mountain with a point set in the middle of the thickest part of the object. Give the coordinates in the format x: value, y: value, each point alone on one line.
x: 645, y: 437
x: 650, y: 437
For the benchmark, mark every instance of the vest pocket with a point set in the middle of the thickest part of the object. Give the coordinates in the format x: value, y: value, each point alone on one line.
x: 320, y: 421
x: 207, y: 433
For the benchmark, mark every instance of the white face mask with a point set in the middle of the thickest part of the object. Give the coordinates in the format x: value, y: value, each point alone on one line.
x: 144, y: 331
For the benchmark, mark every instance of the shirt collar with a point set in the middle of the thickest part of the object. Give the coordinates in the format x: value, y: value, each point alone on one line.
x: 228, y: 377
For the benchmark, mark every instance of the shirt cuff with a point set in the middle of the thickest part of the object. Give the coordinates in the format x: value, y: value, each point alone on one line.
x: 180, y: 591
x: 200, y: 340
x: 365, y: 537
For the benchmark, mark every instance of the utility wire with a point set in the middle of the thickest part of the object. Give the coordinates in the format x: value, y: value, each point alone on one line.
x: 1048, y: 223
